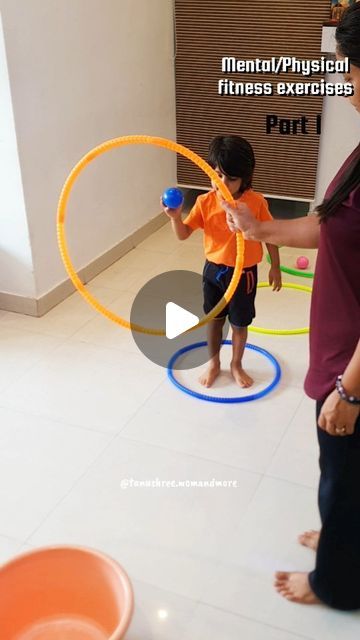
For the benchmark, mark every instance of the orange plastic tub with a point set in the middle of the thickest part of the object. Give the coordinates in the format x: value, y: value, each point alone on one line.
x: 64, y: 593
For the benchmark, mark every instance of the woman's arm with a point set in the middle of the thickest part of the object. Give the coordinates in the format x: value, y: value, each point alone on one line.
x: 301, y: 232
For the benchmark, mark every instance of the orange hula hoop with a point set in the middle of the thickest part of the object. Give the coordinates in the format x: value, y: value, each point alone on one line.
x: 63, y: 246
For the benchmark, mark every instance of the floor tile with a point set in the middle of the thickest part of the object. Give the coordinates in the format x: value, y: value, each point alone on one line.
x: 212, y: 624
x: 63, y: 320
x: 159, y: 614
x: 8, y: 548
x: 244, y: 435
x: 40, y: 460
x: 99, y: 330
x: 296, y: 458
x: 169, y: 537
x: 20, y: 351
x: 86, y: 385
x: 267, y: 541
x: 291, y: 352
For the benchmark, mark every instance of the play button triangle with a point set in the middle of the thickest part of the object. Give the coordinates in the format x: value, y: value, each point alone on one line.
x: 178, y: 320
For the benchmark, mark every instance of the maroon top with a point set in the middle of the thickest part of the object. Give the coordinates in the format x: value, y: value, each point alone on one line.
x: 335, y: 303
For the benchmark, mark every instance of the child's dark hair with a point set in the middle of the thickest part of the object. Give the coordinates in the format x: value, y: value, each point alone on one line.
x: 348, y: 45
x: 234, y: 156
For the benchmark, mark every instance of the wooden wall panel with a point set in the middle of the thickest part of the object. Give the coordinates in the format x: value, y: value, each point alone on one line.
x: 207, y: 30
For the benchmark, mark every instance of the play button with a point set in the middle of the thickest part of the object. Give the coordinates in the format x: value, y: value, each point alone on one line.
x: 173, y: 302
x: 178, y: 320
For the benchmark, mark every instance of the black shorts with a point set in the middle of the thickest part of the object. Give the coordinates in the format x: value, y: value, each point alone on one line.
x: 241, y: 308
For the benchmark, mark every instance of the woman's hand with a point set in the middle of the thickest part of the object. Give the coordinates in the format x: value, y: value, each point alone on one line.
x: 338, y: 417
x: 275, y: 278
x: 240, y: 218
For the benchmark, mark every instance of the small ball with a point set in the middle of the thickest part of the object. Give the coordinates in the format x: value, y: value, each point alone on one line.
x: 172, y: 198
x: 302, y: 262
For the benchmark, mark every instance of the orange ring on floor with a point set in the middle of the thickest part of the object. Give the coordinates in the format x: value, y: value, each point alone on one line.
x: 62, y: 210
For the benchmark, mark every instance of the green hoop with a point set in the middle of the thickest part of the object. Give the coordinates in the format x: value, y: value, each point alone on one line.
x: 292, y: 272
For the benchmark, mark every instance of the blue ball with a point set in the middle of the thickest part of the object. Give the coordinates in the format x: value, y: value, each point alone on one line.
x: 172, y: 198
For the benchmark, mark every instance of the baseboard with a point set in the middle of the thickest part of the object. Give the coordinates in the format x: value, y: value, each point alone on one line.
x: 39, y: 307
x: 18, y: 304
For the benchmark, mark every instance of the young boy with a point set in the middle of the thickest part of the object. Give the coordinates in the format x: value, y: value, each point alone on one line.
x: 233, y: 159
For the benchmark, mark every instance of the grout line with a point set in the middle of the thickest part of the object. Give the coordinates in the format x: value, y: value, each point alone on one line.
x: 32, y: 366
x: 189, y: 455
x: 262, y: 474
x: 292, y: 482
x: 257, y: 621
x: 77, y: 481
x: 197, y: 602
x: 56, y: 421
x: 283, y: 436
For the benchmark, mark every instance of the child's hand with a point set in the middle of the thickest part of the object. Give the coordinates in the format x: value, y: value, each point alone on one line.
x: 173, y: 214
x: 240, y: 218
x: 275, y: 278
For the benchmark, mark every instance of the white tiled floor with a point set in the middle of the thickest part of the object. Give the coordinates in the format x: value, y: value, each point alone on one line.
x: 81, y: 410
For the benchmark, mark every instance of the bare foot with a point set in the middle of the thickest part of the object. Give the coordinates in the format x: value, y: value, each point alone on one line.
x: 240, y: 376
x: 295, y: 587
x: 310, y: 539
x: 210, y: 375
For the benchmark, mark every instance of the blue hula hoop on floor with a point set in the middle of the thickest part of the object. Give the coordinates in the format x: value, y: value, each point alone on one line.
x: 208, y: 398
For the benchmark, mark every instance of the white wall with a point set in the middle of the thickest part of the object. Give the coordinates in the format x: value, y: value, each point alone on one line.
x: 81, y: 72
x: 16, y: 268
x: 340, y: 126
x: 339, y: 136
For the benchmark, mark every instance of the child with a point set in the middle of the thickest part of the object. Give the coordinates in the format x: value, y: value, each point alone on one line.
x: 233, y: 159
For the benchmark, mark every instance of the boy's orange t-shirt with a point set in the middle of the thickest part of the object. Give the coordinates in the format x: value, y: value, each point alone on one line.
x: 219, y: 241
